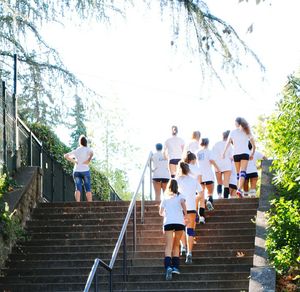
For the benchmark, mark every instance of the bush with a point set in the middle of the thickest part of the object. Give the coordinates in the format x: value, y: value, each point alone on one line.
x: 283, y: 242
x: 282, y: 139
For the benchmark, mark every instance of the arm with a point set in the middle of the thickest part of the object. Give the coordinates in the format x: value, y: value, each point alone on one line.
x: 70, y: 157
x: 229, y: 140
x: 161, y: 211
x: 253, y: 148
x: 89, y: 158
x: 215, y: 165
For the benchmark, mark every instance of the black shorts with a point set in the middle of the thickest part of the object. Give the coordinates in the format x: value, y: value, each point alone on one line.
x: 191, y: 212
x: 231, y: 186
x: 174, y: 227
x: 207, y: 183
x: 161, y: 180
x: 239, y: 157
x: 251, y: 175
x: 174, y: 161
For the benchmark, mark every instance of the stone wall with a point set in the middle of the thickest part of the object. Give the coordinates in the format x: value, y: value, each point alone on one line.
x: 22, y: 202
x: 262, y: 276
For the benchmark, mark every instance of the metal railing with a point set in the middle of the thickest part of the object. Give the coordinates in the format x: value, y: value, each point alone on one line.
x: 93, y: 276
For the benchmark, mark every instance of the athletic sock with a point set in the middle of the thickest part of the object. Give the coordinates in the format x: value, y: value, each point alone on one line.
x: 226, y: 193
x: 219, y: 189
x: 175, y: 262
x: 201, y: 211
x: 210, y: 198
x: 167, y: 262
x: 172, y: 175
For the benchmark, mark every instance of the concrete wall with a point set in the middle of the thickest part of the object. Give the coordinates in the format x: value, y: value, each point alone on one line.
x: 22, y: 202
x: 262, y: 276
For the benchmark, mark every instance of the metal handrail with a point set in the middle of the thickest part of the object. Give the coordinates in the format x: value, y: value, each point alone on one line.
x: 122, y: 236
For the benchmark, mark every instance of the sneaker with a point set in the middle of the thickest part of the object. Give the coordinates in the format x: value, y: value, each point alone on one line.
x: 209, y: 206
x: 239, y: 193
x: 169, y: 274
x: 202, y: 220
x: 252, y: 193
x: 183, y: 251
x: 188, y: 259
x: 175, y: 271
x: 246, y: 194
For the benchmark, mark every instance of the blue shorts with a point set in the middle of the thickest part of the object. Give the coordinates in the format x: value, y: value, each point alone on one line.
x: 84, y: 177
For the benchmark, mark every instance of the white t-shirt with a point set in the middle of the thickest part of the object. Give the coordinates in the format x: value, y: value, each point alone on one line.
x: 251, y: 168
x: 160, y: 166
x: 81, y: 154
x: 173, y: 209
x: 233, y: 177
x: 204, y: 156
x: 188, y: 186
x: 192, y: 146
x: 240, y: 141
x: 194, y: 171
x: 174, y: 147
x: 217, y: 152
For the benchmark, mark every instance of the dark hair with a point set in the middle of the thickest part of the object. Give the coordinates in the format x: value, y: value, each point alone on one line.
x: 185, y: 169
x: 190, y: 156
x: 174, y: 130
x: 196, y: 134
x: 82, y: 140
x: 159, y: 146
x: 249, y: 145
x: 244, y: 124
x: 204, y: 142
x: 226, y: 134
x: 173, y: 186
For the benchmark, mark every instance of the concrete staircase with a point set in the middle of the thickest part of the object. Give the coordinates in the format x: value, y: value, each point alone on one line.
x: 65, y: 238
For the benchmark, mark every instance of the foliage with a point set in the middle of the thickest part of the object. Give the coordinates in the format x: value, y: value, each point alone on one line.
x: 281, y: 131
x: 79, y: 128
x: 52, y: 144
x: 283, y: 242
x: 46, y: 83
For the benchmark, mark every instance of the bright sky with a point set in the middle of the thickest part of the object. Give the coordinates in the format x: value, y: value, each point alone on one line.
x: 133, y: 61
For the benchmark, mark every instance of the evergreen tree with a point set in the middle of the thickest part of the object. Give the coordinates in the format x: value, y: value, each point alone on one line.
x: 78, y: 115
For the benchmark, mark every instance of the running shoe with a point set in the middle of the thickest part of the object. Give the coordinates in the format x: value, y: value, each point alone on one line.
x: 188, y: 259
x: 169, y: 273
x: 183, y: 250
x: 175, y: 271
x: 202, y: 220
x: 209, y: 206
x: 239, y: 193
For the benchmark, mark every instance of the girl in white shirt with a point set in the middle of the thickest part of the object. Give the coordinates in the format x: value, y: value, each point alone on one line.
x: 160, y: 170
x: 205, y: 162
x: 81, y: 157
x: 224, y: 164
x: 252, y: 173
x: 173, y: 151
x: 194, y: 145
x: 189, y: 187
x: 240, y: 138
x: 173, y: 209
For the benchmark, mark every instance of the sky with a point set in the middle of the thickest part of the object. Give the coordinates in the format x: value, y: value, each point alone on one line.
x: 132, y: 63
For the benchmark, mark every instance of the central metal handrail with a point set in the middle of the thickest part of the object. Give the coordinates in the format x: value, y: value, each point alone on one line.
x: 122, y: 236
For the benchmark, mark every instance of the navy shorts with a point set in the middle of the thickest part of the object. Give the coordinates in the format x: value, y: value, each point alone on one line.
x: 251, y: 175
x: 239, y: 157
x: 207, y: 183
x: 84, y: 177
x: 174, y: 161
x: 174, y: 227
x: 161, y: 180
x: 191, y: 212
x: 232, y: 186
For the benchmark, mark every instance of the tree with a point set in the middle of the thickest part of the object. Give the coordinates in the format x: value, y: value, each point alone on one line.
x: 78, y: 115
x: 44, y: 80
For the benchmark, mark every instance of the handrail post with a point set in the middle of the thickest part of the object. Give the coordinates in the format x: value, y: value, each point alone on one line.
x: 150, y: 171
x: 110, y: 281
x: 124, y: 257
x: 30, y: 149
x: 134, y: 227
x: 4, y: 122
x: 143, y: 201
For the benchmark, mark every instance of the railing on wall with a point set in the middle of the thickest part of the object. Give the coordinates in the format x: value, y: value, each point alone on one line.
x: 19, y: 147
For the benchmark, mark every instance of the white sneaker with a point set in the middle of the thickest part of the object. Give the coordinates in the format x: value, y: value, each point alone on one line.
x: 202, y: 220
x: 209, y: 206
x: 252, y: 193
